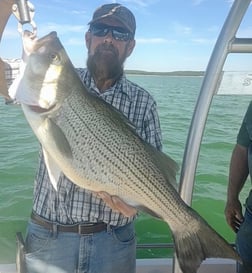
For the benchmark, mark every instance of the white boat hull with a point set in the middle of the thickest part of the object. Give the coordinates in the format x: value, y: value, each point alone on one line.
x: 162, y: 266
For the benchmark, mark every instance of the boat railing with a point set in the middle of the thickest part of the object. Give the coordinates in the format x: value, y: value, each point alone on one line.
x: 160, y: 245
x: 155, y: 245
x: 226, y: 43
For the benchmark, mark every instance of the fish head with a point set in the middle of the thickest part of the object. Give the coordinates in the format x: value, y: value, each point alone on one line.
x: 42, y: 83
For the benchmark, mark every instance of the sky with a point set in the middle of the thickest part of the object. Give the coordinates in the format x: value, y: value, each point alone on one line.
x: 170, y: 36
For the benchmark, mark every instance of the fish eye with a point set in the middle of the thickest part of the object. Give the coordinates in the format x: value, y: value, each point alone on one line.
x: 54, y: 57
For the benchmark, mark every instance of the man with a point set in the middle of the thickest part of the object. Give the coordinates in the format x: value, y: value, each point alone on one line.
x: 240, y: 167
x: 72, y: 229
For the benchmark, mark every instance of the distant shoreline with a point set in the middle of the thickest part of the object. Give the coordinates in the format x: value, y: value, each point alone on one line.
x: 13, y: 65
x: 173, y: 73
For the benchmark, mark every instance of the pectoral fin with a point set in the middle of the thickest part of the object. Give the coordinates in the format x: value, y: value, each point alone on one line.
x: 54, y: 141
x: 56, y: 138
x: 53, y: 169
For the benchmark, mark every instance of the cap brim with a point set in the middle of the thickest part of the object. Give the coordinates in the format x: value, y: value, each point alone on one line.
x: 111, y: 16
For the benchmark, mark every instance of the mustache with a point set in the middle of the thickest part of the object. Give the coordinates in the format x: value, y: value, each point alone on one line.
x: 106, y: 47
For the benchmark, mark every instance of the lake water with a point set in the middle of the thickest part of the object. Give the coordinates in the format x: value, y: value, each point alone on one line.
x: 176, y: 98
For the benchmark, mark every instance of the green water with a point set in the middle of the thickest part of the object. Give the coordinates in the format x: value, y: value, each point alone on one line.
x: 176, y: 97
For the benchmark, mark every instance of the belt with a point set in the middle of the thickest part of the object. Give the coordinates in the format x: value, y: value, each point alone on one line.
x: 81, y: 229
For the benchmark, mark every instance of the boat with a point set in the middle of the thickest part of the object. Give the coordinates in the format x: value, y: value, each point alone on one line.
x: 226, y: 43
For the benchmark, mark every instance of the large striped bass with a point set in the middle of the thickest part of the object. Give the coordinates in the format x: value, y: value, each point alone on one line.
x: 97, y: 149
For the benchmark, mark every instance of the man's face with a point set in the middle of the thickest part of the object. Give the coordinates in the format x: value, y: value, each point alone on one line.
x: 106, y: 54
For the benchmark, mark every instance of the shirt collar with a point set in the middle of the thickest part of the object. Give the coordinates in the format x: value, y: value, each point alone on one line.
x: 120, y: 86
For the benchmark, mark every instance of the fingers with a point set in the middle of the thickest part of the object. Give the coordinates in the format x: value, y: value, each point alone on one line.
x: 107, y: 199
x: 236, y: 224
x: 234, y: 217
x: 117, y: 204
x: 124, y: 208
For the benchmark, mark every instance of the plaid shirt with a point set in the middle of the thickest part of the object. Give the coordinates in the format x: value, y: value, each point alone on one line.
x: 71, y: 204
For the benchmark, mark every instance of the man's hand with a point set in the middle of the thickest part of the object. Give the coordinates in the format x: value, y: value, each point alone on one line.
x: 116, y: 204
x: 233, y: 213
x: 5, y: 12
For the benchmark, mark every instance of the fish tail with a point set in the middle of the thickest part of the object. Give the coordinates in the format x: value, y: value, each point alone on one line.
x: 196, y: 241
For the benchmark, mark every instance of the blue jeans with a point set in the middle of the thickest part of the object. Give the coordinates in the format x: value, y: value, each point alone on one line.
x: 109, y: 251
x: 244, y: 243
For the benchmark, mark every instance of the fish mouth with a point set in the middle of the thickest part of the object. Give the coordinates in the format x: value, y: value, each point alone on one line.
x: 38, y: 109
x: 31, y: 43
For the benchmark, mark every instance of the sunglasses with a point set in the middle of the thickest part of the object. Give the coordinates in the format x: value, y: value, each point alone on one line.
x: 118, y: 33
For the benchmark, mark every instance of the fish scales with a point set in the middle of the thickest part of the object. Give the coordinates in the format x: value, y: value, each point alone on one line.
x: 97, y: 149
x: 101, y: 144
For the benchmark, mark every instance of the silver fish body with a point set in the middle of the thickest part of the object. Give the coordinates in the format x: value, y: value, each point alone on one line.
x: 97, y: 149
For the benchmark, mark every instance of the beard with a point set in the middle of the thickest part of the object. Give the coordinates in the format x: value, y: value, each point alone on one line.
x: 105, y: 63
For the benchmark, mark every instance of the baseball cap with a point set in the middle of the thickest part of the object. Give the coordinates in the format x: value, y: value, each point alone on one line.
x: 118, y: 12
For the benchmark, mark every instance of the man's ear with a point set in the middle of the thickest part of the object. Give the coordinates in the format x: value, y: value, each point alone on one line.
x: 130, y: 47
x: 88, y: 39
